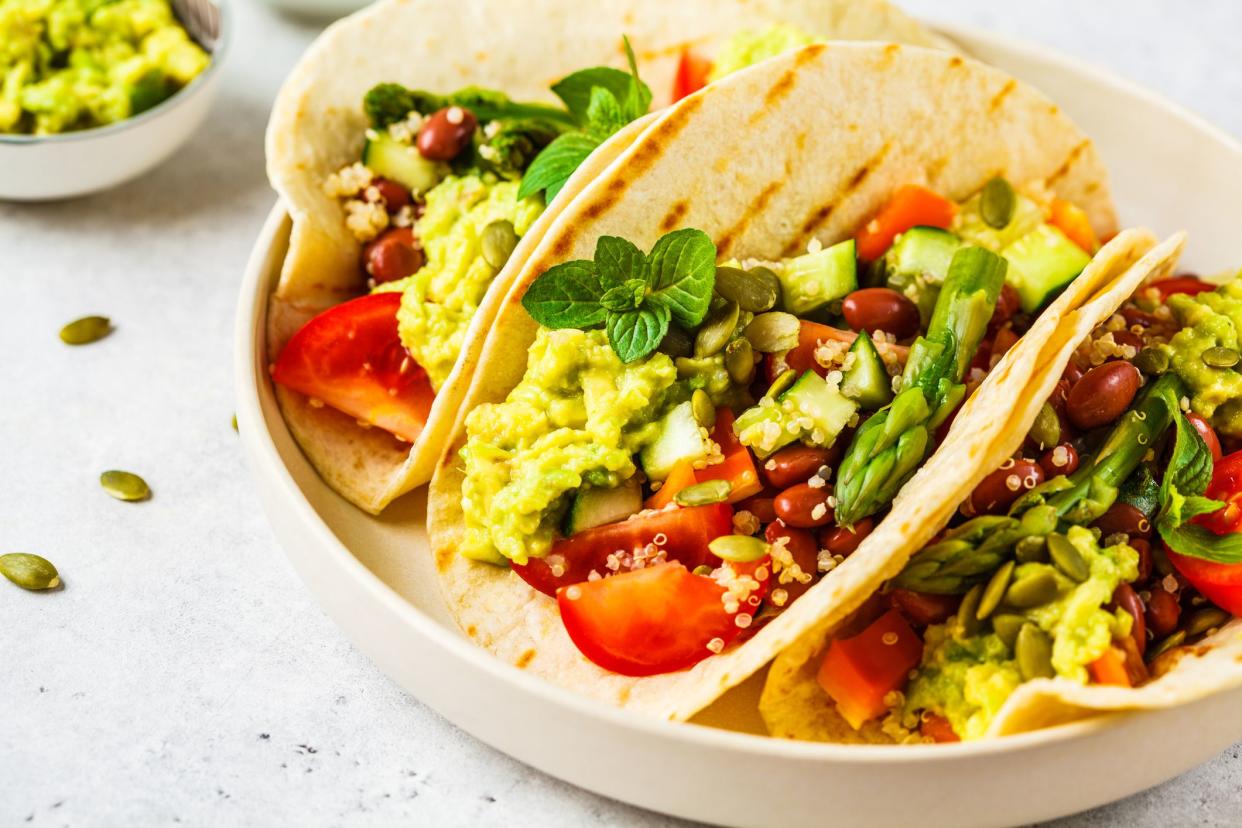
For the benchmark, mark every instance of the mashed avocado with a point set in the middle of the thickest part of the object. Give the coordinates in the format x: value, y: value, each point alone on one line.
x: 439, y: 300
x: 748, y: 48
x: 1211, y: 320
x: 76, y: 64
x: 967, y: 679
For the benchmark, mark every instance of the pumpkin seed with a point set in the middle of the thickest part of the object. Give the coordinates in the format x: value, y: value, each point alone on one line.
x: 997, y: 202
x: 702, y: 408
x: 703, y: 569
x: 86, y: 330
x: 782, y: 383
x: 716, y: 331
x: 1046, y: 430
x: 967, y: 611
x: 1173, y: 639
x: 1200, y: 621
x: 995, y: 590
x: 29, y: 571
x: 739, y: 360
x: 1152, y: 361
x: 1033, y: 652
x: 1220, y: 357
x: 738, y: 548
x: 750, y: 292
x: 1006, y: 627
x: 705, y: 493
x: 1033, y: 590
x: 499, y: 239
x: 676, y: 343
x: 767, y: 276
x: 235, y: 422
x: 1032, y: 549
x: 124, y: 485
x: 1066, y: 557
x: 773, y: 332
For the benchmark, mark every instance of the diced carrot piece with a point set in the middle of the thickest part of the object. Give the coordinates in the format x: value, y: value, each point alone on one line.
x: 1072, y: 220
x: 859, y: 672
x: 910, y: 206
x: 1110, y: 668
x: 738, y: 466
x: 681, y: 477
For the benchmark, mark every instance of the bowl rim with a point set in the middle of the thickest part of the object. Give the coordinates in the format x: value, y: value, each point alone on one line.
x: 255, y: 289
x: 223, y: 43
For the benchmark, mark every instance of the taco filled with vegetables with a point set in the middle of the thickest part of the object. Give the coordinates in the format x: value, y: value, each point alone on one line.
x: 420, y: 153
x: 695, y: 424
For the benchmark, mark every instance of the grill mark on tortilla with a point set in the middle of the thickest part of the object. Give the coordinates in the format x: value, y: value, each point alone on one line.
x: 956, y: 62
x: 674, y: 216
x: 755, y: 207
x: 524, y: 659
x: 1070, y: 160
x: 819, y: 215
x: 787, y: 81
x: 999, y: 97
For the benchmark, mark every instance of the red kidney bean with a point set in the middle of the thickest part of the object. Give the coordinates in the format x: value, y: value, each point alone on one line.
x: 394, y: 255
x: 1207, y: 433
x: 1128, y: 338
x: 924, y: 607
x: 805, y: 552
x: 446, y: 133
x: 1069, y: 460
x: 1072, y: 374
x: 800, y: 506
x: 1143, y: 548
x: 996, y: 492
x: 1124, y: 519
x: 1126, y: 598
x: 394, y: 195
x: 1102, y: 395
x: 1006, y: 306
x: 841, y: 541
x: 1004, y: 340
x: 881, y: 309
x: 1163, y: 612
x: 1136, y: 316
x: 759, y: 506
x: 795, y: 464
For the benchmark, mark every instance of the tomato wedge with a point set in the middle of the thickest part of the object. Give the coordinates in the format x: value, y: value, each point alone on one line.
x: 1190, y: 285
x: 738, y: 466
x: 692, y: 72
x: 1072, y: 220
x: 1220, y: 583
x: 351, y: 357
x: 687, y: 532
x: 859, y: 672
x: 653, y: 620
x: 910, y: 206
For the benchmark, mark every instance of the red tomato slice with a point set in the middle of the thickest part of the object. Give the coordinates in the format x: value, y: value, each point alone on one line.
x: 738, y: 466
x: 1189, y: 285
x: 692, y: 72
x: 687, y: 532
x: 1220, y: 583
x: 910, y: 206
x: 653, y: 620
x: 351, y: 357
x: 859, y: 672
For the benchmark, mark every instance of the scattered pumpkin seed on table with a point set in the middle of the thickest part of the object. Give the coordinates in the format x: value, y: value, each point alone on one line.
x: 31, y: 572
x: 124, y: 485
x: 86, y: 330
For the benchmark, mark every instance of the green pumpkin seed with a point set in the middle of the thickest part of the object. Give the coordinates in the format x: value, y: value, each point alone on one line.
x: 703, y: 569
x: 1066, y: 557
x: 1200, y: 621
x: 995, y: 590
x: 1033, y: 651
x: 29, y: 571
x: 738, y: 548
x: 86, y: 330
x: 716, y: 331
x: 705, y: 493
x: 124, y: 485
x: 739, y: 360
x: 768, y: 277
x: 1007, y: 626
x: 235, y: 422
x: 499, y: 239
x: 782, y: 383
x: 750, y: 293
x: 676, y: 343
x: 774, y: 332
x: 967, y: 611
x: 703, y: 409
x: 1031, y: 549
x: 1174, y: 639
x: 1033, y: 590
x: 997, y: 202
x: 1220, y: 357
x: 1046, y: 430
x: 1152, y: 361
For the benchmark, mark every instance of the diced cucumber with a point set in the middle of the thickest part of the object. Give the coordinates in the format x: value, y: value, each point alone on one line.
x: 1041, y: 263
x: 681, y: 438
x: 812, y: 410
x: 403, y: 163
x: 811, y: 281
x: 916, y: 264
x: 866, y: 381
x: 596, y: 507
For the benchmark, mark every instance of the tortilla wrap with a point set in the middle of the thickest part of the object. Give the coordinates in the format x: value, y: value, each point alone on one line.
x: 806, y: 146
x: 317, y: 127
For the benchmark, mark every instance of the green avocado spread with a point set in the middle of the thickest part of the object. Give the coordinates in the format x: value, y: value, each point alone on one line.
x: 750, y: 47
x: 75, y: 64
x: 1211, y: 320
x: 967, y: 678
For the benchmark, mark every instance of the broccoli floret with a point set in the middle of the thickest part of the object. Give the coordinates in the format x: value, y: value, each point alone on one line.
x: 387, y: 103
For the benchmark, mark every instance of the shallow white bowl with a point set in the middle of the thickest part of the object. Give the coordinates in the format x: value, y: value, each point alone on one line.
x: 375, y: 577
x: 45, y: 167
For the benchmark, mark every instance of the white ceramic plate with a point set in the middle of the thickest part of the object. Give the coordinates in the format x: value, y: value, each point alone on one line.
x: 374, y: 576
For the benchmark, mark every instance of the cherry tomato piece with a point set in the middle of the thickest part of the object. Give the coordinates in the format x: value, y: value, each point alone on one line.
x: 692, y: 72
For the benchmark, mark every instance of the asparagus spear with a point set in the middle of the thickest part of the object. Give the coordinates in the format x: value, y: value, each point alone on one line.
x: 972, y: 551
x: 888, y: 448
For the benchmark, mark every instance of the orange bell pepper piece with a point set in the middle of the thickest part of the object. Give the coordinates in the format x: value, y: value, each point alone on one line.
x: 910, y: 206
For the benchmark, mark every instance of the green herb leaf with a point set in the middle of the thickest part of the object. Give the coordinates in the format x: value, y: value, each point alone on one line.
x: 624, y: 297
x: 1141, y: 491
x: 636, y: 333
x: 553, y: 167
x: 1197, y: 542
x: 566, y: 296
x: 604, y: 114
x: 681, y: 271
x: 639, y: 99
x: 575, y: 90
x: 617, y: 260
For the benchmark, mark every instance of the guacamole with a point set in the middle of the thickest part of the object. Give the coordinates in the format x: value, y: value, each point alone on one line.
x: 75, y: 64
x: 967, y: 678
x: 1211, y: 320
x: 748, y: 48
x: 439, y: 300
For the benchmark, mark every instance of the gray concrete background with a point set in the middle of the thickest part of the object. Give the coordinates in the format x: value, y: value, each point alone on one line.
x: 184, y: 674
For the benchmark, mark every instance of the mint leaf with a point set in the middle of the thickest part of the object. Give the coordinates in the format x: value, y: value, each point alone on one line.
x: 553, y: 167
x: 575, y: 89
x: 636, y: 333
x: 617, y: 260
x: 638, y: 99
x: 624, y: 297
x: 681, y: 271
x: 1198, y: 542
x: 604, y: 115
x: 566, y: 296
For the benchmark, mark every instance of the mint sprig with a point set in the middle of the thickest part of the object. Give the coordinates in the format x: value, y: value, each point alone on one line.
x: 634, y: 296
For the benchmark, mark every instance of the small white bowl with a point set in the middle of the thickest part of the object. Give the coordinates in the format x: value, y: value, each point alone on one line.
x: 45, y: 167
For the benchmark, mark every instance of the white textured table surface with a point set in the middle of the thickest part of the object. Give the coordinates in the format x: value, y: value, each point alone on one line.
x: 184, y: 674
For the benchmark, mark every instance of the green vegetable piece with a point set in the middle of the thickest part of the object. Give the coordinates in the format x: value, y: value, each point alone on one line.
x: 1032, y: 590
x: 1046, y: 430
x: 738, y: 548
x: 28, y: 571
x: 1174, y: 639
x: 812, y: 280
x: 917, y: 264
x: 403, y: 163
x: 997, y: 202
x: 1203, y: 620
x: 968, y: 611
x: 86, y: 330
x: 866, y: 380
x: 124, y: 485
x: 705, y: 493
x: 1041, y: 263
x: 1033, y: 549
x: 635, y: 334
x: 1066, y: 557
x: 995, y: 590
x: 1033, y: 652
